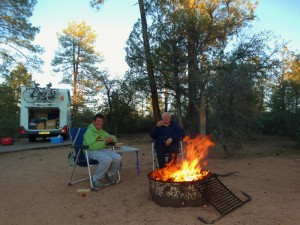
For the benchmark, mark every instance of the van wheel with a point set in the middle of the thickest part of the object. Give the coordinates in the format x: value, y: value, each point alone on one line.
x: 32, y: 138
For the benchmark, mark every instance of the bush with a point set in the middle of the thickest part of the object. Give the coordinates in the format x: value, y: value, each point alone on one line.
x: 9, y: 117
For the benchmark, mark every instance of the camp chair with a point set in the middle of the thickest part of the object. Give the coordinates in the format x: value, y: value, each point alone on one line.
x: 79, y: 157
x: 154, y: 157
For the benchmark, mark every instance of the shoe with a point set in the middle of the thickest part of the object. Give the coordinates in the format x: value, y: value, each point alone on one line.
x: 111, y: 180
x: 97, y: 184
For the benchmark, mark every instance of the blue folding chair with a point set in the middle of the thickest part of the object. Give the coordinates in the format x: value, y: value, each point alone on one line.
x: 79, y: 157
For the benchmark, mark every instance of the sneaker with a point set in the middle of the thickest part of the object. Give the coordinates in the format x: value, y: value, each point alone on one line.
x: 111, y: 180
x: 97, y: 184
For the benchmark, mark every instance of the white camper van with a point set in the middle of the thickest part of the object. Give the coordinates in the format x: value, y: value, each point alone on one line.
x: 45, y: 112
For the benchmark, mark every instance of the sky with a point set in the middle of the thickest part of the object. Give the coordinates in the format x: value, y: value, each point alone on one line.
x: 114, y: 22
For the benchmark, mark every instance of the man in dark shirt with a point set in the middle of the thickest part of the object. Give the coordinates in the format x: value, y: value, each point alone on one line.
x: 167, y: 135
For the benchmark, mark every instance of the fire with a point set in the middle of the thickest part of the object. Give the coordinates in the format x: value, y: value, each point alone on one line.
x: 195, y: 150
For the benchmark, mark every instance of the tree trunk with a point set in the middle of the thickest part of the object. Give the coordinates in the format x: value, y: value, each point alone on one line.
x: 192, y: 68
x: 178, y: 92
x: 75, y: 78
x: 166, y: 99
x: 150, y: 71
x: 74, y: 100
x: 202, y: 114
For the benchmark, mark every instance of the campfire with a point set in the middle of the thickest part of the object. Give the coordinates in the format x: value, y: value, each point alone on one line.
x: 175, y: 184
x: 190, y: 169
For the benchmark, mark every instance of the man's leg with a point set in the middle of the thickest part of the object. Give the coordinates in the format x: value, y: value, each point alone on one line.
x: 104, y: 161
x: 160, y: 153
x: 115, y: 163
x: 173, y: 152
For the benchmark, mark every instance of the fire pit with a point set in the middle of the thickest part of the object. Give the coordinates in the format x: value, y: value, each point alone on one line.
x: 176, y: 185
x: 176, y: 194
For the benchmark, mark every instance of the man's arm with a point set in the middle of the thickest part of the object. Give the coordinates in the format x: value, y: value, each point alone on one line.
x: 90, y: 140
x: 178, y: 132
x: 154, y: 132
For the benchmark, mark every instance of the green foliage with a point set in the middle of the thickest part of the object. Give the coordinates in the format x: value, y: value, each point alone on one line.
x: 17, y: 35
x: 129, y: 125
x: 83, y: 119
x: 120, y: 101
x: 136, y: 125
x: 96, y: 3
x: 281, y: 123
x: 18, y: 77
x: 283, y: 117
x: 9, y: 116
x: 200, y: 48
x: 77, y: 59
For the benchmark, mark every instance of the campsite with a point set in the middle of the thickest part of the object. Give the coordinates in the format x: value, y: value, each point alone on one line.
x: 34, y: 188
x: 149, y: 78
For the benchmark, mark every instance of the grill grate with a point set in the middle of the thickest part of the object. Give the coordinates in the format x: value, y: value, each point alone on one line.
x: 219, y: 196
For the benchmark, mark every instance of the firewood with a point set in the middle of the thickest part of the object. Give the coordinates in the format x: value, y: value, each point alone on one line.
x: 83, y: 192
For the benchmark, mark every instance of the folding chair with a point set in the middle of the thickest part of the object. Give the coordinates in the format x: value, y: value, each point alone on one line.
x: 154, y: 156
x: 79, y: 157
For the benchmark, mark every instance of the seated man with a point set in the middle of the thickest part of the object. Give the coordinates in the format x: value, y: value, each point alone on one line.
x: 109, y: 161
x: 167, y: 134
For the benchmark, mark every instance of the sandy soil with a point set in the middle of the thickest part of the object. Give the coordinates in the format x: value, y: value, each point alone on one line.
x: 34, y: 188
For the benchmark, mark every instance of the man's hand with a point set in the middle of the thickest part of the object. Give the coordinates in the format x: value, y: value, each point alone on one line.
x: 169, y: 141
x: 109, y: 139
x: 160, y: 123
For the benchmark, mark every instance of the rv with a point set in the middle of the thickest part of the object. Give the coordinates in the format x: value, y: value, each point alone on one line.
x: 45, y: 112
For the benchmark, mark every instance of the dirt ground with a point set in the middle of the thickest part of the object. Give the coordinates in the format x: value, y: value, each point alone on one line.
x: 34, y: 188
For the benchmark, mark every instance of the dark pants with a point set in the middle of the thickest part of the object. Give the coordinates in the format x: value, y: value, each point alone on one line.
x: 171, y: 150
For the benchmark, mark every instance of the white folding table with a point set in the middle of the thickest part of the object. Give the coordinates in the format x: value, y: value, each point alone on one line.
x: 128, y: 149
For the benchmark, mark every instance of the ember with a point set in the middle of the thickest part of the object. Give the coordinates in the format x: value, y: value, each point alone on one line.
x: 195, y: 150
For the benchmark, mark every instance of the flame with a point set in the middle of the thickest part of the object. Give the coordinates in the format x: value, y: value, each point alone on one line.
x: 195, y: 150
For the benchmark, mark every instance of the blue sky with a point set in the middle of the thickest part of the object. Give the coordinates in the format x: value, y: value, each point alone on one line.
x: 115, y: 20
x: 282, y: 17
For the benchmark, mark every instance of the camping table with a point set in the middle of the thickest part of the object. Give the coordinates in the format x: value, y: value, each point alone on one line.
x: 127, y: 149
